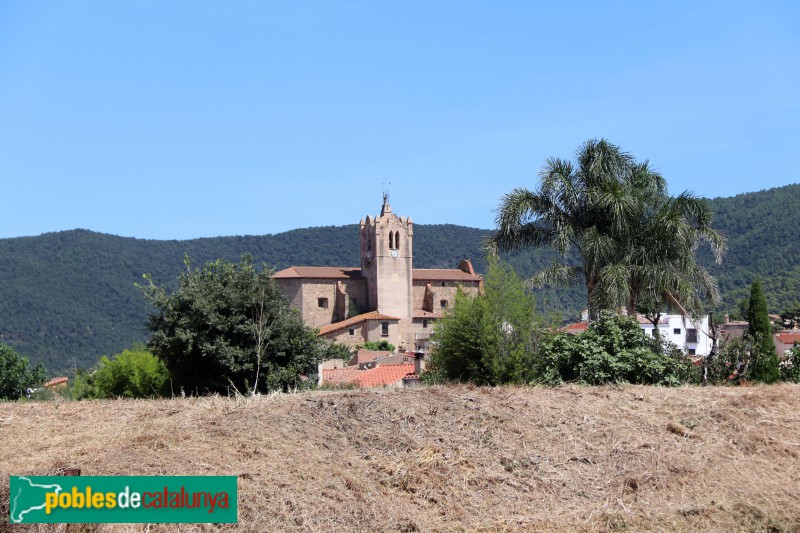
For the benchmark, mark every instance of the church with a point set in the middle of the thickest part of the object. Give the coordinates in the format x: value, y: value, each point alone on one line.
x: 386, y: 298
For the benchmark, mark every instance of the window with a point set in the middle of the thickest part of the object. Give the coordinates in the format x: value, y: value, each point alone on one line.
x: 391, y: 240
x: 351, y: 332
x: 397, y: 239
x: 443, y: 284
x: 443, y: 303
x: 676, y: 331
x: 691, y: 335
x: 424, y: 322
x: 322, y: 303
x: 692, y: 351
x: 384, y: 329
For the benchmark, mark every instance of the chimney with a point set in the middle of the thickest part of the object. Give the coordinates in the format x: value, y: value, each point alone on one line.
x: 727, y: 318
x: 418, y: 356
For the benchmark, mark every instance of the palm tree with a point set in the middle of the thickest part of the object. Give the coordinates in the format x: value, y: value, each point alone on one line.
x: 632, y: 238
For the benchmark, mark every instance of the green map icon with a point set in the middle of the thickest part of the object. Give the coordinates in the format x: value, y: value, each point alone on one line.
x: 28, y: 498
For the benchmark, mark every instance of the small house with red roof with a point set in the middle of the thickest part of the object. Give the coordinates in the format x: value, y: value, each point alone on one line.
x: 785, y: 341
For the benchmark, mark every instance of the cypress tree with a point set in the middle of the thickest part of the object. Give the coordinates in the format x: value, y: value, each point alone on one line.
x: 765, y: 367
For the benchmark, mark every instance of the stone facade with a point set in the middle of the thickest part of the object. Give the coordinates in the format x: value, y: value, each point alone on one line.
x: 398, y: 302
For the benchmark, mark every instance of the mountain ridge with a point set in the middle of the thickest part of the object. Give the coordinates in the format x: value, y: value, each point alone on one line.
x: 69, y: 296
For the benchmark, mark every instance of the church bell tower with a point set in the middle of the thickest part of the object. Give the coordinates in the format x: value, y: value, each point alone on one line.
x: 386, y: 262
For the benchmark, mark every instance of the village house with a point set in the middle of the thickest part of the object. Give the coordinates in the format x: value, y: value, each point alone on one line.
x: 785, y: 341
x: 385, y: 298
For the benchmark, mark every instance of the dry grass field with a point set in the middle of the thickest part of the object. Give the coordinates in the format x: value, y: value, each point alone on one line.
x: 444, y: 458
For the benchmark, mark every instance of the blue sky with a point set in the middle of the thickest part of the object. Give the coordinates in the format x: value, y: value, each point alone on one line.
x: 174, y: 120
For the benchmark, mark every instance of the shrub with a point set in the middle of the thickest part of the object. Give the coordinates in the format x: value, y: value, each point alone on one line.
x: 744, y: 358
x: 613, y: 350
x: 131, y: 374
x: 379, y: 346
x: 17, y: 377
x: 790, y: 366
x: 338, y: 351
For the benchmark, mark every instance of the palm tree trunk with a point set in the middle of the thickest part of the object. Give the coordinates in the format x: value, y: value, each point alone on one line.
x: 656, y: 334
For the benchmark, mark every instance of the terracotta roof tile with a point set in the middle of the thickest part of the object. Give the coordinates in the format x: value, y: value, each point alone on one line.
x: 419, y: 274
x: 577, y: 327
x: 56, y: 381
x: 338, y: 376
x: 383, y: 375
x: 788, y: 338
x: 298, y: 272
x: 372, y: 315
x: 380, y: 376
x: 365, y: 356
x: 443, y: 274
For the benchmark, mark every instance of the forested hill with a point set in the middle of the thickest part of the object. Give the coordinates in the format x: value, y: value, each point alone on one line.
x: 763, y: 230
x: 68, y: 297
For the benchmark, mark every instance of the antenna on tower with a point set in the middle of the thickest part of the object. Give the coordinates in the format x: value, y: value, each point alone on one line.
x: 386, y: 207
x: 386, y: 191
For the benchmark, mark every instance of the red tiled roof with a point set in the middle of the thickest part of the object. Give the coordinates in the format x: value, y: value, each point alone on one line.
x: 788, y: 338
x: 365, y: 356
x: 372, y: 315
x: 443, y: 274
x: 56, y: 381
x: 577, y: 327
x: 419, y: 274
x: 318, y: 272
x: 383, y: 375
x: 380, y: 376
x: 339, y: 375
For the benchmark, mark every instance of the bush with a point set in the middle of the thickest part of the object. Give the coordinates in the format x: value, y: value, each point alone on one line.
x: 790, y: 366
x: 746, y: 359
x: 613, y: 350
x: 338, y: 351
x: 487, y: 339
x: 379, y: 346
x: 131, y: 374
x: 17, y: 377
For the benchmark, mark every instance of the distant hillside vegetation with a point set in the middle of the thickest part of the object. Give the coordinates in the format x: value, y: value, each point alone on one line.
x: 763, y: 230
x: 68, y: 297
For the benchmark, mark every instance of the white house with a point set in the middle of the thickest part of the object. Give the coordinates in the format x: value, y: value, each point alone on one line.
x: 689, y: 335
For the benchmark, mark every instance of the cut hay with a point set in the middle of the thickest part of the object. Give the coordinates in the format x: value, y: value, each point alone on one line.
x: 445, y: 458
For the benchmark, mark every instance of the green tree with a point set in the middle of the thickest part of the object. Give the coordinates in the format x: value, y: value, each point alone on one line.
x: 16, y: 374
x: 488, y: 338
x: 615, y: 213
x: 790, y: 318
x: 766, y: 365
x: 134, y: 373
x: 229, y: 325
x: 613, y: 350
